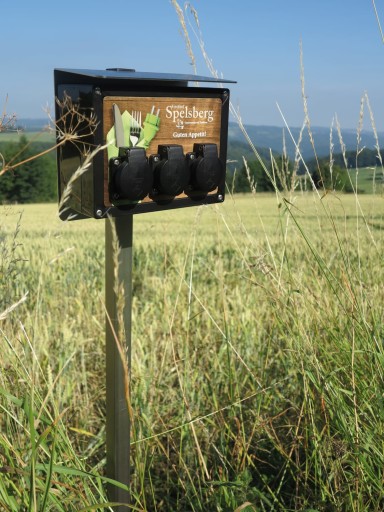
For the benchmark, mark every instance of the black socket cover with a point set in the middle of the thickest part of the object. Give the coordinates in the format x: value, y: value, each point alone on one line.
x: 133, y: 177
x: 171, y: 173
x: 207, y: 169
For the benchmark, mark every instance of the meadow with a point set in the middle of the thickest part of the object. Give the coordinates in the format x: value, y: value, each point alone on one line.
x: 47, y: 136
x: 257, y: 357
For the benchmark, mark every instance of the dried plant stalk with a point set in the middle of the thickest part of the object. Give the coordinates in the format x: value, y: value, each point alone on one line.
x: 73, y: 126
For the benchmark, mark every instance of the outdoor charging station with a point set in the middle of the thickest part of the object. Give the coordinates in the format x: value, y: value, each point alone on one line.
x: 167, y: 141
x: 166, y: 147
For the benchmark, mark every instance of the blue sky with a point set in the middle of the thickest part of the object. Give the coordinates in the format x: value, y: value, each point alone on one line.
x: 252, y: 41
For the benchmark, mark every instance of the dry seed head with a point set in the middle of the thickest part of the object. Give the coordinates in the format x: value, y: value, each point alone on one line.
x: 7, y: 122
x: 180, y: 14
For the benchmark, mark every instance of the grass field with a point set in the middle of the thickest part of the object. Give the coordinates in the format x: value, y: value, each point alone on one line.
x: 257, y: 364
x: 42, y: 136
x: 368, y: 179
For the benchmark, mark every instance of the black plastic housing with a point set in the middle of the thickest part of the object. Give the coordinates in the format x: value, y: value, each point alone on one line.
x: 86, y: 90
x: 171, y: 171
x: 131, y: 177
x: 207, y: 169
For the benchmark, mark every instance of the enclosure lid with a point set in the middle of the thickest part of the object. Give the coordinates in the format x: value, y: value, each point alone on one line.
x: 131, y: 74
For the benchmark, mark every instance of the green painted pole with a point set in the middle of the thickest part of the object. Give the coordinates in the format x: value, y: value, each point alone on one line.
x: 118, y: 299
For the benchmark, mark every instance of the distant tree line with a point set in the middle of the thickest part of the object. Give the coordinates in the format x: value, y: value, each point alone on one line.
x: 367, y: 158
x: 34, y: 181
x: 331, y: 177
x: 264, y: 176
x: 336, y: 177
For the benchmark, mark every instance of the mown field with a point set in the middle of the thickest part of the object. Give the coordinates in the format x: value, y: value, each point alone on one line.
x: 257, y: 357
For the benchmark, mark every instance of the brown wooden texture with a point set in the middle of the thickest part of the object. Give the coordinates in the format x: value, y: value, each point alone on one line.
x: 183, y: 121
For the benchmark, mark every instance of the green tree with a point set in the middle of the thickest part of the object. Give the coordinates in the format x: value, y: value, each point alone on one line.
x: 255, y: 176
x: 31, y: 182
x: 335, y: 178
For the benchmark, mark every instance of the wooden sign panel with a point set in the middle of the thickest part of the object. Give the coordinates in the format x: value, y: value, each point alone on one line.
x: 150, y: 121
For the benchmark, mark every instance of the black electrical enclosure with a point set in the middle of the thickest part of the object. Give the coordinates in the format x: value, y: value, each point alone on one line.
x: 158, y: 141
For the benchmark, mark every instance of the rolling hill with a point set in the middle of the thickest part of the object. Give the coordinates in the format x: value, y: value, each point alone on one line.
x: 266, y: 138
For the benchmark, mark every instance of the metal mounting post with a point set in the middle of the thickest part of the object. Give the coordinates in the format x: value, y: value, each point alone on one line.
x: 118, y: 280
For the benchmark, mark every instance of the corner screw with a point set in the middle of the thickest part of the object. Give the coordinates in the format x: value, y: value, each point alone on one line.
x: 116, y: 162
x: 98, y: 91
x: 220, y: 198
x: 99, y: 213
